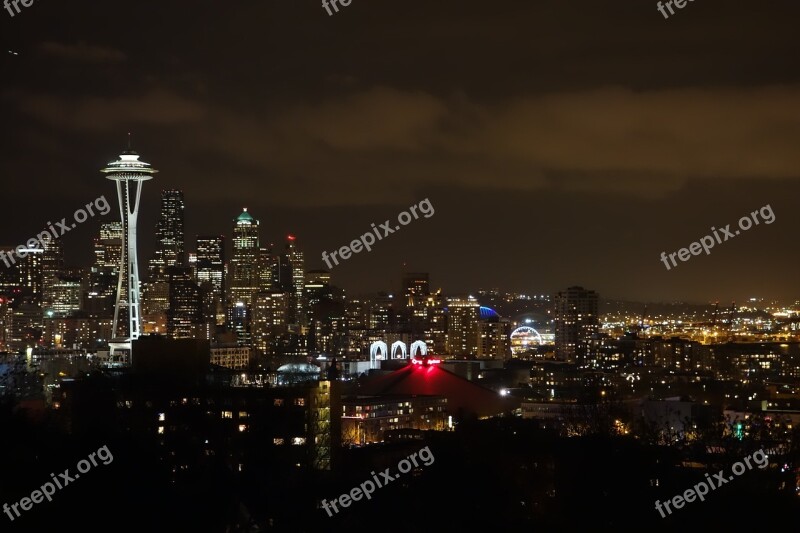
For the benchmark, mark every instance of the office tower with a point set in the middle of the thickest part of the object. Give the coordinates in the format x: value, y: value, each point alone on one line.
x: 266, y: 269
x: 155, y: 304
x: 282, y: 274
x: 383, y: 313
x: 52, y: 266
x: 170, y: 241
x: 415, y: 289
x: 185, y: 314
x: 269, y: 322
x: 129, y: 174
x: 103, y: 277
x: 108, y: 246
x: 297, y: 265
x: 462, y: 326
x: 210, y: 275
x: 31, y: 275
x: 493, y: 335
x: 244, y: 264
x: 326, y: 315
x: 9, y: 278
x: 436, y: 322
x: 576, y: 322
x: 66, y: 289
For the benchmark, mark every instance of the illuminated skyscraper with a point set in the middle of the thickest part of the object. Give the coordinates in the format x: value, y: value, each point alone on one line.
x: 52, y: 266
x: 244, y: 264
x: 210, y: 275
x: 576, y: 322
x: 185, y: 313
x: 462, y: 326
x: 170, y: 241
x: 129, y: 173
x: 297, y: 266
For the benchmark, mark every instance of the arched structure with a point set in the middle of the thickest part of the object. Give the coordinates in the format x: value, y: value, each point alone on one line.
x: 402, y: 346
x: 419, y: 347
x: 523, y: 339
x: 377, y: 351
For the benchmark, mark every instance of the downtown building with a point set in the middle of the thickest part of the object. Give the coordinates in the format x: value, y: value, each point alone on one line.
x: 170, y: 239
x: 209, y: 274
x: 244, y: 265
x: 576, y: 321
x: 462, y: 327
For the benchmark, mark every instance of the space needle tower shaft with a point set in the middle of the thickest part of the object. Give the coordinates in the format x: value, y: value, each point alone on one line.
x: 129, y: 173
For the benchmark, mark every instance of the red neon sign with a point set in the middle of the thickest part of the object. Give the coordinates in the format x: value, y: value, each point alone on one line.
x: 426, y: 361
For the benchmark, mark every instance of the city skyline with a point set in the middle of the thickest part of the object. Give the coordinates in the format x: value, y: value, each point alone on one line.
x: 580, y: 175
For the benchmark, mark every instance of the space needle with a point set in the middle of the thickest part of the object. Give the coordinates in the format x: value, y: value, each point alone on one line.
x: 129, y: 173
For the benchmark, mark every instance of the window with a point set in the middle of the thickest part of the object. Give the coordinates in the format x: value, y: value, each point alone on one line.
x: 277, y: 441
x: 227, y: 414
x: 242, y: 428
x: 160, y: 430
x: 300, y: 401
x: 243, y: 414
x: 298, y: 441
x: 278, y: 402
x: 162, y: 417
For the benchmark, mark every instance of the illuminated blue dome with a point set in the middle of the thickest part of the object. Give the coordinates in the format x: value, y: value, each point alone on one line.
x: 487, y: 313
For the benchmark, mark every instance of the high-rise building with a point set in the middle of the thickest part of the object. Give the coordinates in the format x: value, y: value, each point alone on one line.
x: 65, y: 292
x: 108, y: 245
x: 297, y: 265
x: 575, y: 322
x: 415, y: 289
x: 462, y: 326
x: 52, y: 266
x: 129, y: 174
x: 210, y: 276
x: 31, y: 274
x: 266, y: 269
x: 170, y: 241
x: 436, y: 322
x: 493, y: 335
x: 269, y: 322
x: 104, y: 275
x: 244, y: 264
x: 185, y: 318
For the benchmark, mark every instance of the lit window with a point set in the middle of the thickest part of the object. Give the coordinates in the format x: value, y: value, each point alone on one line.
x: 298, y: 441
x: 278, y: 402
x: 300, y: 401
x: 242, y: 414
x: 162, y: 417
x: 242, y: 428
x: 227, y: 414
x: 277, y: 441
x: 160, y: 430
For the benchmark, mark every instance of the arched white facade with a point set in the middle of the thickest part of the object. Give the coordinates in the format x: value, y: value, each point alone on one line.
x: 419, y: 347
x: 377, y: 351
x: 399, y: 345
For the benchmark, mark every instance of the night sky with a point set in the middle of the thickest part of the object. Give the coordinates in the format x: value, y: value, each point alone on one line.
x: 560, y: 142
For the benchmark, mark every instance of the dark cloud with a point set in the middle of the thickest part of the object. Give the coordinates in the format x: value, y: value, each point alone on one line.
x: 83, y: 52
x: 525, y: 122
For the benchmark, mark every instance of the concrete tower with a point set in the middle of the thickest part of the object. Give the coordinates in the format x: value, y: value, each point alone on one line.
x: 129, y: 173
